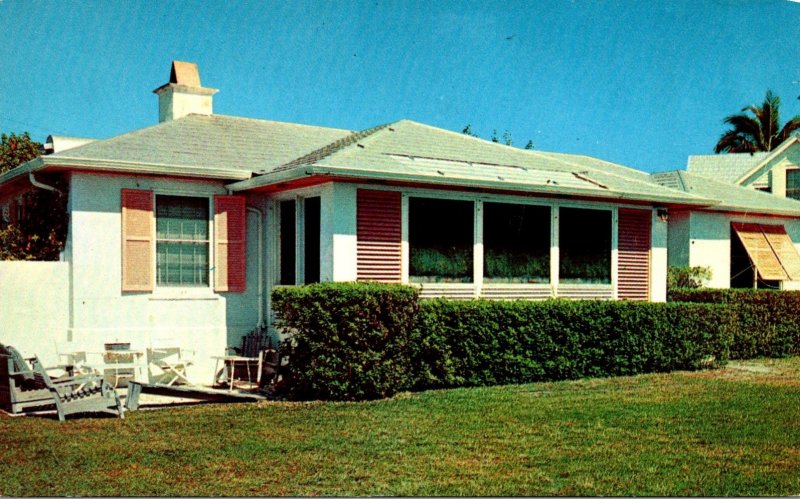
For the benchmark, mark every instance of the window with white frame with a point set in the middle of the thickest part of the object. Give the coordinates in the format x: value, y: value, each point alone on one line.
x: 182, y: 241
x: 441, y: 240
x: 793, y: 183
x: 304, y: 218
x: 516, y: 243
x: 584, y: 240
x: 311, y: 239
x: 287, y: 245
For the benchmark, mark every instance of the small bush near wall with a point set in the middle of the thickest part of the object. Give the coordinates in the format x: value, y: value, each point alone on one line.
x: 487, y: 343
x: 687, y: 277
x: 347, y: 341
x: 767, y: 323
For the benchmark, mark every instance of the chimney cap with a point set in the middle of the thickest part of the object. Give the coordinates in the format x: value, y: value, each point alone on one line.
x: 185, y: 77
x: 185, y: 73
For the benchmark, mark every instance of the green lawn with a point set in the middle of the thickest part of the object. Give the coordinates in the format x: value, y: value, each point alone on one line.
x: 730, y: 432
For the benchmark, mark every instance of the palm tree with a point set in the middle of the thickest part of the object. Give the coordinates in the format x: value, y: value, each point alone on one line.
x: 760, y: 132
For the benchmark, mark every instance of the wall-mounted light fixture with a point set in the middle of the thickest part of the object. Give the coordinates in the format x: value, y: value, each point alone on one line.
x: 663, y: 214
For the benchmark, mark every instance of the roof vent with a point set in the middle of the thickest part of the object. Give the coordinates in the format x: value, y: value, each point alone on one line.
x: 183, y: 94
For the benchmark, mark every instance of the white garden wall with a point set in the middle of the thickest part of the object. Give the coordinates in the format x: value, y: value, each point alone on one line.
x: 34, y: 307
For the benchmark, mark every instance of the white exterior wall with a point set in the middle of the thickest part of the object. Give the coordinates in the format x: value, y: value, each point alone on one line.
x: 342, y: 202
x: 195, y: 318
x: 34, y: 309
x: 775, y: 177
x: 658, y: 259
x: 678, y: 238
x: 710, y: 243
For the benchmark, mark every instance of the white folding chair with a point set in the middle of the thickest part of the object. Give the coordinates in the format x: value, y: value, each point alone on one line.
x: 171, y: 360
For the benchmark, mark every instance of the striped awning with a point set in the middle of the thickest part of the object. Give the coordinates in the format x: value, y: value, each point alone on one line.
x: 771, y: 251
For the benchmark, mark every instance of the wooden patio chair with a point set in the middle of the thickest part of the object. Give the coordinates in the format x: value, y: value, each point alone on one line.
x: 25, y: 383
x: 171, y: 360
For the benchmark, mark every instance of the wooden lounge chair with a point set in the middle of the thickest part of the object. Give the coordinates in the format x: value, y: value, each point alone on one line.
x: 24, y: 383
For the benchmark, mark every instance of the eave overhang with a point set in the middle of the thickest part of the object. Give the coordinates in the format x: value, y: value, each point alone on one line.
x: 350, y: 174
x: 101, y: 165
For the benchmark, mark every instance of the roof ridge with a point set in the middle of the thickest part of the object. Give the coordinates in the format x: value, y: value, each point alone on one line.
x: 261, y: 120
x: 332, y: 148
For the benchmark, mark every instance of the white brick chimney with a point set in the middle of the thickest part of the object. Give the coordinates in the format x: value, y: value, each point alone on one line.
x: 183, y: 94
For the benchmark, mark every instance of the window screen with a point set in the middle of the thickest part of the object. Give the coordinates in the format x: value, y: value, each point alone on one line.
x: 516, y: 243
x: 584, y: 246
x: 441, y: 238
x: 182, y: 243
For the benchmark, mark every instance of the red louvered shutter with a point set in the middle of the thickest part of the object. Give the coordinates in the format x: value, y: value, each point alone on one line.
x: 137, y: 240
x: 230, y: 238
x: 633, y: 281
x: 379, y: 236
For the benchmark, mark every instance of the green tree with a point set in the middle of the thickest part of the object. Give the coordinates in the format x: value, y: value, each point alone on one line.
x: 759, y: 130
x: 17, y: 149
x: 43, y: 231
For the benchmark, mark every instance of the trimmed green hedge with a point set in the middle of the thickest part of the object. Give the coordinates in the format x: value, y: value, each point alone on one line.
x: 365, y: 341
x: 471, y: 343
x: 766, y: 323
x: 346, y: 341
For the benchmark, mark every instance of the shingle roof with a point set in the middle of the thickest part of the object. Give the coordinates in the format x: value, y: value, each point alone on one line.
x: 259, y: 153
x: 213, y: 142
x: 424, y: 153
x: 725, y: 167
x: 731, y: 197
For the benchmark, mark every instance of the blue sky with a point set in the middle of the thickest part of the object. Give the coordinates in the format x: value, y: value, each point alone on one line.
x: 643, y: 84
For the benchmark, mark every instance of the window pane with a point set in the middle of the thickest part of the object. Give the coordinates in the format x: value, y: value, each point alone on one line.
x: 311, y: 239
x: 793, y: 184
x: 182, y: 244
x: 287, y: 242
x: 516, y: 243
x: 182, y: 218
x: 440, y: 234
x: 182, y: 264
x: 584, y: 246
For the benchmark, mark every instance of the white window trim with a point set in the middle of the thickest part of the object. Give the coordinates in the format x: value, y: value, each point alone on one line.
x: 162, y: 292
x: 478, y: 199
x: 298, y: 196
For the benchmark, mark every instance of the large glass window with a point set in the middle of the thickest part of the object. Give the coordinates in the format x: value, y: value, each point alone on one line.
x: 516, y: 243
x: 584, y: 238
x: 793, y: 183
x: 311, y: 240
x: 287, y: 242
x: 441, y: 238
x: 182, y: 242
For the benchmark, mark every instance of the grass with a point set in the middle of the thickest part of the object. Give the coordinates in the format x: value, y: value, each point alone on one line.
x: 729, y: 432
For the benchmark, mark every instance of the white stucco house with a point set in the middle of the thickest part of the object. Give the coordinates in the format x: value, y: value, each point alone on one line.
x: 180, y: 230
x: 750, y: 238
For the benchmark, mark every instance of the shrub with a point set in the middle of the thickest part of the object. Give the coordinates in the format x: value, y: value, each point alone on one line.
x: 767, y: 323
x: 346, y: 341
x: 687, y: 277
x: 485, y: 343
x: 349, y: 341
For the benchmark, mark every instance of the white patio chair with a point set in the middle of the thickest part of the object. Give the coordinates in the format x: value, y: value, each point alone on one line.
x: 171, y: 360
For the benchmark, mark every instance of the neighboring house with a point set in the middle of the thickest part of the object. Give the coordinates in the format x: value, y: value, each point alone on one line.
x: 776, y: 172
x: 181, y: 230
x: 746, y: 239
